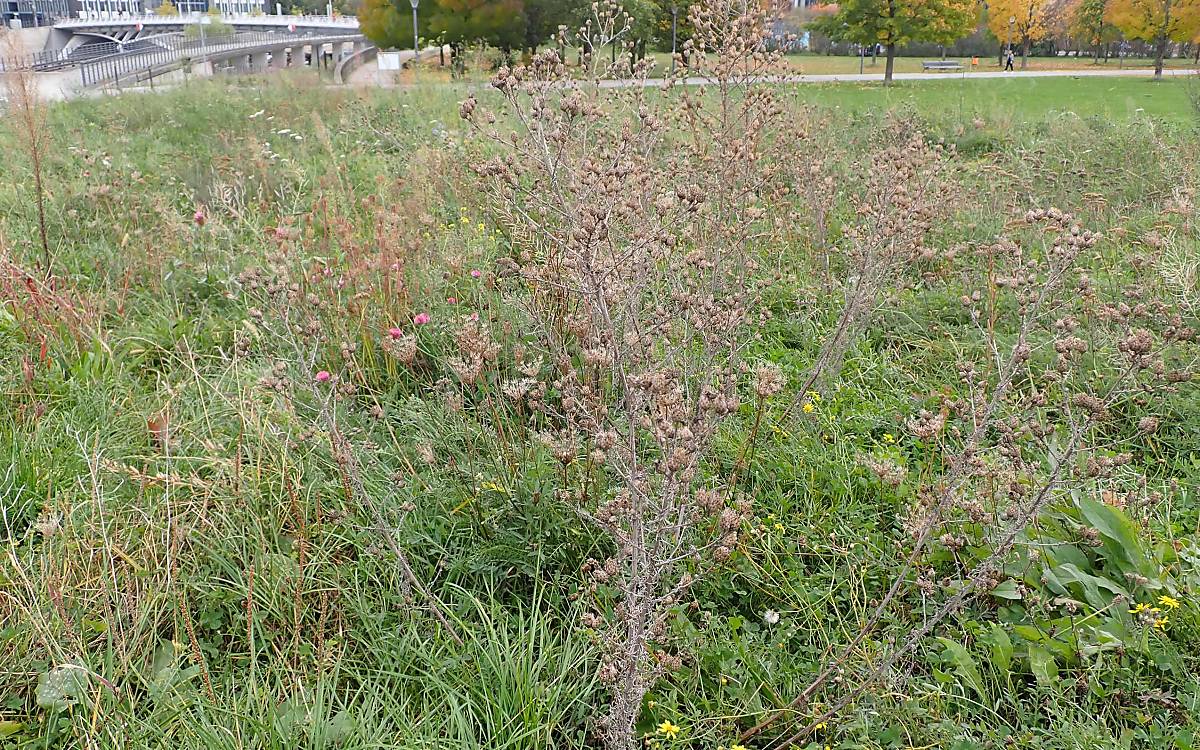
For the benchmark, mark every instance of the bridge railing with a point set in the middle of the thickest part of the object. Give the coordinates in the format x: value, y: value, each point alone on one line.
x: 176, y: 47
x: 59, y: 59
x: 93, y: 19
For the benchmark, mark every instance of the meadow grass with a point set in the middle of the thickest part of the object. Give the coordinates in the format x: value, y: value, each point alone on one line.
x: 185, y: 565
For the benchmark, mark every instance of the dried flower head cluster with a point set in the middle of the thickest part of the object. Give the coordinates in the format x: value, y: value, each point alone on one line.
x: 1035, y: 418
x: 633, y: 215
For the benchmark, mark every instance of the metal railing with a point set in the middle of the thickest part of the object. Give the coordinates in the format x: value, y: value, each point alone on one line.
x: 176, y: 48
x: 151, y: 19
x: 59, y: 59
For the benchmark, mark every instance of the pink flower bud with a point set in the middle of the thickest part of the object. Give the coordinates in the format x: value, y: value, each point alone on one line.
x: 421, y: 319
x: 395, y: 333
x: 475, y: 273
x: 452, y: 300
x: 323, y: 376
x: 199, y: 217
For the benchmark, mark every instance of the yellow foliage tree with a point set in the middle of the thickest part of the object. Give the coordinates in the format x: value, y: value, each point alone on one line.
x: 1159, y: 22
x: 1020, y: 21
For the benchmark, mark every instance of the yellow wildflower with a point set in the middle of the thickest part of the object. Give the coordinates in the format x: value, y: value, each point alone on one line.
x: 814, y: 397
x: 1140, y: 608
x: 1161, y: 623
x: 779, y: 527
x: 820, y: 726
x: 808, y: 407
x: 737, y: 747
x: 1169, y: 602
x: 669, y: 729
x: 889, y: 437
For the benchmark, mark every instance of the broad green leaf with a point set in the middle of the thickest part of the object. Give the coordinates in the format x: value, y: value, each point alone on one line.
x: 339, y: 728
x: 1007, y: 590
x: 1119, y: 534
x: 1097, y: 590
x: 61, y: 687
x: 1043, y: 666
x: 965, y: 666
x: 1002, y: 648
x: 1058, y: 554
x: 9, y: 728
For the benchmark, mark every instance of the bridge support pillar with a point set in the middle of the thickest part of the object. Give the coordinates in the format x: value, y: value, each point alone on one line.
x: 258, y: 62
x: 278, y: 59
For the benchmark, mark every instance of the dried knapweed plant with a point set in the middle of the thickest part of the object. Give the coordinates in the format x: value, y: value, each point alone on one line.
x: 908, y: 188
x: 1032, y: 425
x: 634, y: 214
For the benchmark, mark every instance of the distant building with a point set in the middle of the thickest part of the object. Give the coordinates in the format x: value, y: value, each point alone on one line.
x: 27, y: 13
x: 108, y: 8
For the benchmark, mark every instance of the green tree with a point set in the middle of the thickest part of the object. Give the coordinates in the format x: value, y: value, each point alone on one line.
x: 386, y: 24
x: 167, y: 8
x: 1088, y: 24
x: 500, y: 23
x: 543, y: 17
x: 892, y: 23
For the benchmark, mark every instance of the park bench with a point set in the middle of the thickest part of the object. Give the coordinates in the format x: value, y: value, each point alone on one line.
x: 941, y: 65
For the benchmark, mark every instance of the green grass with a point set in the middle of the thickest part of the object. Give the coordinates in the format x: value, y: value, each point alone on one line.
x: 1017, y: 101
x: 224, y: 589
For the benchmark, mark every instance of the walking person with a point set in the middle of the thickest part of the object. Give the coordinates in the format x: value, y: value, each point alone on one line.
x: 1008, y: 59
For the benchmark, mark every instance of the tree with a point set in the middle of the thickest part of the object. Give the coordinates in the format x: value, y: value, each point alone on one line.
x: 896, y: 22
x: 500, y: 23
x: 543, y: 17
x: 1088, y: 25
x: 1027, y: 19
x: 385, y: 24
x: 167, y: 8
x: 1158, y: 22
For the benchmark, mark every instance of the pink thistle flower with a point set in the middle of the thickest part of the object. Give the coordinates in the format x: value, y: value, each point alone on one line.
x: 199, y: 217
x: 476, y: 273
x: 395, y: 333
x: 323, y: 376
x: 452, y: 300
x: 421, y: 319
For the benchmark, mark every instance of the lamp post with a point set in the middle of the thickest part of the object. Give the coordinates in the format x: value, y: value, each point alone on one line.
x: 204, y: 21
x: 1011, y: 20
x: 674, y: 21
x: 416, y: 43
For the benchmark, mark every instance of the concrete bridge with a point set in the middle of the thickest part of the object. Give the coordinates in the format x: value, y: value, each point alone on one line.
x: 114, y: 50
x: 241, y: 52
x: 123, y: 29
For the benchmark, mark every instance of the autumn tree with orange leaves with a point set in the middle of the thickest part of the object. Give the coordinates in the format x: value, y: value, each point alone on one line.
x: 1020, y: 21
x: 1158, y: 22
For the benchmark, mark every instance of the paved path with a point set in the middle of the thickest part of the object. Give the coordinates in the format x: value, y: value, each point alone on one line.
x: 368, y: 75
x: 878, y: 77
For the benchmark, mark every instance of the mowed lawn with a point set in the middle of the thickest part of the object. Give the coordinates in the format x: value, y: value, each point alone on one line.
x: 811, y: 64
x: 1018, y: 100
